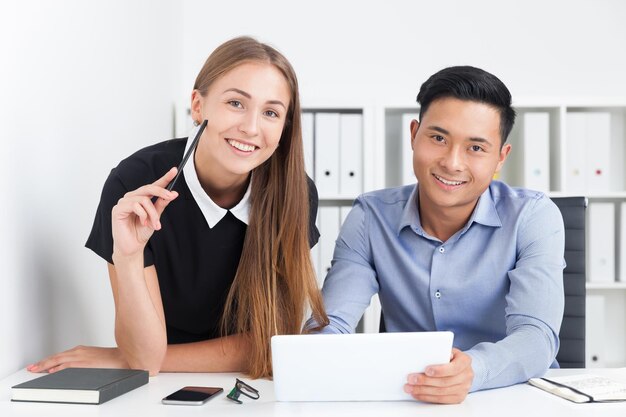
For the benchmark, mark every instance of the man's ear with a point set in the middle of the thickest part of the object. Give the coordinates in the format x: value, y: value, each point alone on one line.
x: 414, y: 126
x: 196, y: 106
x: 504, y: 153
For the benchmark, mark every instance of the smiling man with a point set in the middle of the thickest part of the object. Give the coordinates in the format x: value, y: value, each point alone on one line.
x: 457, y: 251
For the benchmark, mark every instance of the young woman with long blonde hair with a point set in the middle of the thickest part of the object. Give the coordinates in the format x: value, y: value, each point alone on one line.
x: 204, y: 275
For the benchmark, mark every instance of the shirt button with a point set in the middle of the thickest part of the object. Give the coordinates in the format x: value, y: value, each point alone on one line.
x: 442, y: 249
x: 437, y: 294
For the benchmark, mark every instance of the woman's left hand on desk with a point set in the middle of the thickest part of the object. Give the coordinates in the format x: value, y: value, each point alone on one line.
x: 81, y: 357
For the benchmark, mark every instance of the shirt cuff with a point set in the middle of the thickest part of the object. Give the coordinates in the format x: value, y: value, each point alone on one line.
x: 334, y: 327
x: 479, y: 368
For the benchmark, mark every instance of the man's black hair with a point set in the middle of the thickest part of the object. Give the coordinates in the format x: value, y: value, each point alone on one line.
x: 472, y: 84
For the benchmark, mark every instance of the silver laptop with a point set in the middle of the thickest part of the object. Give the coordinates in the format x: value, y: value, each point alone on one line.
x: 353, y: 367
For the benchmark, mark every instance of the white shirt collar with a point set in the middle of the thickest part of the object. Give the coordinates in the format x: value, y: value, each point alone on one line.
x: 211, y: 211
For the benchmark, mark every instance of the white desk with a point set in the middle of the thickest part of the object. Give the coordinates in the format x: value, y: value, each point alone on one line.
x: 519, y: 400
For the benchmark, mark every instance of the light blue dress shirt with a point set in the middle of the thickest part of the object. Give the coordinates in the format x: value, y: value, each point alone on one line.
x: 497, y: 283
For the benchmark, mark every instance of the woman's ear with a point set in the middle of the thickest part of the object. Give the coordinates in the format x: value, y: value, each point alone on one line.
x: 197, y: 102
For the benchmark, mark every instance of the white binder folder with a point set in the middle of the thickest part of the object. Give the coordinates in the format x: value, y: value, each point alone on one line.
x: 408, y: 175
x: 622, y: 258
x: 308, y: 143
x: 588, y: 152
x: 327, y: 154
x: 601, y: 242
x: 575, y: 150
x: 595, y: 332
x: 536, y: 128
x: 330, y: 220
x: 329, y: 229
x: 598, y: 144
x: 351, y: 155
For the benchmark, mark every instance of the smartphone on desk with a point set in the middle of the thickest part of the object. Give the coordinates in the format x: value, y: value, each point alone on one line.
x: 192, y: 395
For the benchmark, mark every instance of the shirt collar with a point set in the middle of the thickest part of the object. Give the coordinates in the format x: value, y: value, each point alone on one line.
x: 411, y: 215
x: 485, y: 212
x: 211, y: 211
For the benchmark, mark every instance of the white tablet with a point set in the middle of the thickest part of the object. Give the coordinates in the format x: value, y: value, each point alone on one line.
x: 353, y: 367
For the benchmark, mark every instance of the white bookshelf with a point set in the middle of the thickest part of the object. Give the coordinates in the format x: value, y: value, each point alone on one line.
x: 606, y: 286
x: 335, y: 204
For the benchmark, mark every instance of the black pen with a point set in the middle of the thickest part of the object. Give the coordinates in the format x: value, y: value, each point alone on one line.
x: 193, y: 146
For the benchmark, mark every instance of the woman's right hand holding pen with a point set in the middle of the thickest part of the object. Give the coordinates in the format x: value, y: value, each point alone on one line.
x: 135, y: 217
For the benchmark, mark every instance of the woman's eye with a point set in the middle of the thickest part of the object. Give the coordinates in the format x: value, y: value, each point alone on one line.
x: 271, y: 113
x: 235, y: 103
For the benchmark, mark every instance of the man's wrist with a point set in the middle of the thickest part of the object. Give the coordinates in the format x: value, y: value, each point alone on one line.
x: 478, y: 367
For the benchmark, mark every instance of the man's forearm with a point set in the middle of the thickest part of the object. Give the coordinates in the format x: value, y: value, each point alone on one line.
x: 527, y: 352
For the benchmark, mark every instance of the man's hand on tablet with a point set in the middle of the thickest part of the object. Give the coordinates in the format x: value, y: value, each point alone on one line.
x: 444, y: 384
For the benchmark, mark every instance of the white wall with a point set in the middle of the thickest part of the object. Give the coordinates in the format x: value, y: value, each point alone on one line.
x: 85, y: 83
x: 381, y: 51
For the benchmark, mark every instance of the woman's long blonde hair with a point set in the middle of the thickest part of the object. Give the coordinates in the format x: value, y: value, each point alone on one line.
x: 275, y: 282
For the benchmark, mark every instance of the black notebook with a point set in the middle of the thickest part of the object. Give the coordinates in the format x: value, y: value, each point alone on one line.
x: 80, y: 385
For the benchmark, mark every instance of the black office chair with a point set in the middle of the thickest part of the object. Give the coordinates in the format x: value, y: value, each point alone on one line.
x: 572, y: 335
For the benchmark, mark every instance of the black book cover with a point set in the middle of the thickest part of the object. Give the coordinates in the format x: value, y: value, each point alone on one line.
x: 80, y: 385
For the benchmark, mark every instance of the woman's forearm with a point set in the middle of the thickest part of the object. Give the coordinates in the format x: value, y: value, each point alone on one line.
x: 139, y: 323
x: 225, y: 354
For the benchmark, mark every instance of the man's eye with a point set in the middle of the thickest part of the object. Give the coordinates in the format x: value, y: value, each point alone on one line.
x: 476, y: 148
x: 439, y: 138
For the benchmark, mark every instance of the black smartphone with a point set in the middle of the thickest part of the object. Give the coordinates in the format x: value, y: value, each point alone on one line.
x: 192, y: 395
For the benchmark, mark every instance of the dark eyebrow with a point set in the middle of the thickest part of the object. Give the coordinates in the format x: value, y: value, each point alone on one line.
x: 246, y: 95
x: 471, y: 139
x: 481, y: 140
x: 439, y: 129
